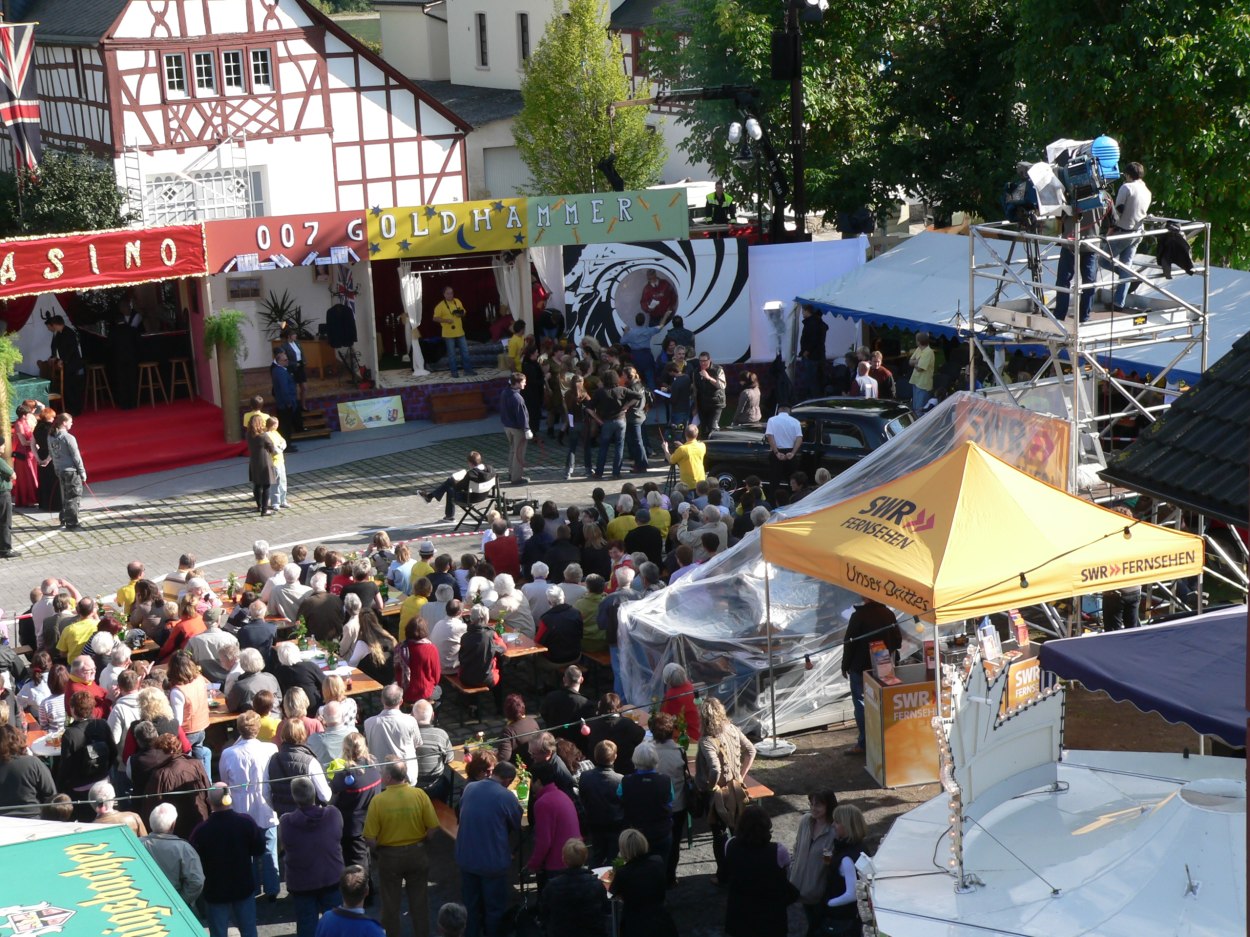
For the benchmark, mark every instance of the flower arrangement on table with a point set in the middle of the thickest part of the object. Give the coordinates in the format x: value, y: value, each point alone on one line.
x: 331, y: 651
x: 522, y: 788
x: 299, y: 634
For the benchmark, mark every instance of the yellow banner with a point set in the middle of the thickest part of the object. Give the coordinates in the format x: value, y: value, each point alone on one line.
x: 441, y: 230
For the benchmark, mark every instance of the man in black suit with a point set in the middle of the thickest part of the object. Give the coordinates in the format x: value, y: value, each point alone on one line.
x: 67, y: 350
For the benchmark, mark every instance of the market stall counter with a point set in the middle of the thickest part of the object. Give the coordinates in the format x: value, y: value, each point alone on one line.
x: 898, y: 733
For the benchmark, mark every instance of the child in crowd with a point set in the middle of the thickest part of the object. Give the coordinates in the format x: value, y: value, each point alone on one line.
x: 263, y: 703
x: 277, y: 495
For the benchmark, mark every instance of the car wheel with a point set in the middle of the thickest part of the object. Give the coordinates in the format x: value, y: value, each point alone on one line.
x: 727, y: 480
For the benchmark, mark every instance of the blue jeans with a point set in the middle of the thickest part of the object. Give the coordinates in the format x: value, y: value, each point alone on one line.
x: 458, y: 344
x: 919, y: 397
x: 201, y: 751
x: 310, y: 905
x: 265, y: 866
x: 486, y: 900
x: 1124, y: 252
x: 637, y: 445
x: 611, y: 433
x: 857, y: 700
x: 1063, y: 279
x: 242, y: 913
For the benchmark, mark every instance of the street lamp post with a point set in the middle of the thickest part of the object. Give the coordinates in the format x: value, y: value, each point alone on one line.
x: 798, y: 11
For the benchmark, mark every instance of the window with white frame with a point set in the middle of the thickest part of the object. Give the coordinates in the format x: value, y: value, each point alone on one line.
x: 483, y: 59
x: 232, y: 72
x: 205, y: 73
x: 205, y: 195
x: 175, y: 75
x: 523, y: 37
x: 262, y: 74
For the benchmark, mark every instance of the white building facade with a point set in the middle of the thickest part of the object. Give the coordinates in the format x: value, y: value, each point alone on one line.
x: 453, y: 47
x: 232, y: 108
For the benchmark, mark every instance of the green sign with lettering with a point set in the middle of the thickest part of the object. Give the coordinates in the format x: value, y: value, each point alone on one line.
x: 90, y: 884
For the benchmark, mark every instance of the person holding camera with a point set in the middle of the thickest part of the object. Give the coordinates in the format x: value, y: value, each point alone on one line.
x: 688, y: 457
x: 449, y: 314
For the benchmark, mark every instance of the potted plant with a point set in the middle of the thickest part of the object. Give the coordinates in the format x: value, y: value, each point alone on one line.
x: 223, y: 337
x: 282, y: 312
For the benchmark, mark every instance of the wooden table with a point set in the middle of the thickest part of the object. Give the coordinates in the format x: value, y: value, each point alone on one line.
x: 520, y: 645
x: 359, y: 684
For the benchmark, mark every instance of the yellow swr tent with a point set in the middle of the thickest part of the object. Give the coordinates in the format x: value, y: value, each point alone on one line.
x: 968, y: 534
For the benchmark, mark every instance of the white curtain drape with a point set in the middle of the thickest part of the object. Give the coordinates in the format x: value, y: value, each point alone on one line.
x: 508, y: 283
x: 410, y: 293
x: 549, y: 262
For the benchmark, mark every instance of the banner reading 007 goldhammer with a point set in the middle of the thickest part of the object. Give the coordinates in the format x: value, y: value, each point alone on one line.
x: 518, y: 223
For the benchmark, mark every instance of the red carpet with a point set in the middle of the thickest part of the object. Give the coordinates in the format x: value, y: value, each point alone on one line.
x: 122, y: 443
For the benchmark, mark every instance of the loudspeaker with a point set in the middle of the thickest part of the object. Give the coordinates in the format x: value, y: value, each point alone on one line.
x: 785, y: 55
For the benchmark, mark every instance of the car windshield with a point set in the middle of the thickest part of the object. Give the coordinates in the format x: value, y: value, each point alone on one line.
x: 896, y: 426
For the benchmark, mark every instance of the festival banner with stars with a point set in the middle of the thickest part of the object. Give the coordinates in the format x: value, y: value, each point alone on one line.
x: 517, y: 223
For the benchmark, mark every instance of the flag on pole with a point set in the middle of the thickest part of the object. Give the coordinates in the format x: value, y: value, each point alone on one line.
x: 19, y: 97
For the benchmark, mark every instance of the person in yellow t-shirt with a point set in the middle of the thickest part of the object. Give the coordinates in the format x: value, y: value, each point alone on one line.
x: 125, y: 598
x: 449, y: 314
x: 516, y: 345
x: 688, y: 457
x: 277, y: 494
x: 258, y: 404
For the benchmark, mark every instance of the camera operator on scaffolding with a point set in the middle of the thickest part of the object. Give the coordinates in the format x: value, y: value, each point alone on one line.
x: 1090, y: 222
x: 1132, y: 202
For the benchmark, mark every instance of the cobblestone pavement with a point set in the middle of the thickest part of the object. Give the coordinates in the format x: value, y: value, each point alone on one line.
x: 342, y: 504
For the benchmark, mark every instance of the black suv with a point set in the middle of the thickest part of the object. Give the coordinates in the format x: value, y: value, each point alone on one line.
x: 837, y: 433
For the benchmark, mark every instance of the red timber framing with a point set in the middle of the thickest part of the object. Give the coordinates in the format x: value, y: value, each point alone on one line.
x: 91, y: 97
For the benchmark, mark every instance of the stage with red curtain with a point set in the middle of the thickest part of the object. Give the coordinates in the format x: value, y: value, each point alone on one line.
x: 121, y: 443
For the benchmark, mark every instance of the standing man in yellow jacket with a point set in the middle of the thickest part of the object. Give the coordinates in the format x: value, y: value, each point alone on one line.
x: 449, y: 314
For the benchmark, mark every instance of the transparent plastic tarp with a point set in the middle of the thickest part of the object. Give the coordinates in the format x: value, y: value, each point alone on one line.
x: 713, y: 622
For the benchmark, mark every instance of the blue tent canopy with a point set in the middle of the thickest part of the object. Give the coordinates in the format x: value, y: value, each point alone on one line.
x: 1191, y: 671
x: 923, y: 284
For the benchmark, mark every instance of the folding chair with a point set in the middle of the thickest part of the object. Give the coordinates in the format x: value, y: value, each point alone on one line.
x: 479, y: 500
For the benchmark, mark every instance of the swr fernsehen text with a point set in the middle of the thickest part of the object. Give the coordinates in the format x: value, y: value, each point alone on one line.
x: 880, y: 531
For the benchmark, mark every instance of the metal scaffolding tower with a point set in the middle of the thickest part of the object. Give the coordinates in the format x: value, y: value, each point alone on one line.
x: 1018, y: 268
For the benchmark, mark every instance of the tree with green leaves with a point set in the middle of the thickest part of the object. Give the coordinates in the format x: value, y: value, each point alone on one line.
x: 563, y: 130
x: 1171, y: 82
x: 948, y: 127
x: 68, y: 192
x: 708, y: 43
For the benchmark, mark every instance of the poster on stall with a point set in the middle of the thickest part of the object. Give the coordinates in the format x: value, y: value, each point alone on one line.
x: 1024, y: 684
x: 369, y: 414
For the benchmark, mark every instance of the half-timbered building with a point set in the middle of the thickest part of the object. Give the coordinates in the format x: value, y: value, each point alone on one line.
x: 227, y: 108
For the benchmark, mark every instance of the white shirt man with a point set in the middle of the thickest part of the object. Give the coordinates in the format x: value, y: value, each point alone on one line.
x: 865, y: 385
x: 393, y: 732
x: 242, y: 766
x: 446, y: 637
x: 536, y: 592
x: 783, y: 432
x: 285, y: 598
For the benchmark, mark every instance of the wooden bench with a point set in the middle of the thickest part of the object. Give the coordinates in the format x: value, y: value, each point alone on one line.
x: 458, y: 407
x: 461, y: 694
x: 447, y: 819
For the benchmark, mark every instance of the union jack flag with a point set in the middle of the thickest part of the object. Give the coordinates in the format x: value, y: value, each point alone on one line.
x: 19, y: 97
x: 345, y: 286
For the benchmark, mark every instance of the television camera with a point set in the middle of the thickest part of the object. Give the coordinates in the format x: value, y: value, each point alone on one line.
x: 1071, y: 181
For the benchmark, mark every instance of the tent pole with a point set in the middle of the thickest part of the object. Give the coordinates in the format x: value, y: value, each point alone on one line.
x: 768, y: 636
x: 771, y: 747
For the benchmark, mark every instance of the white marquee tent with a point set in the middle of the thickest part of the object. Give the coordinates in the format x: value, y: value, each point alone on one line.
x: 923, y: 283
